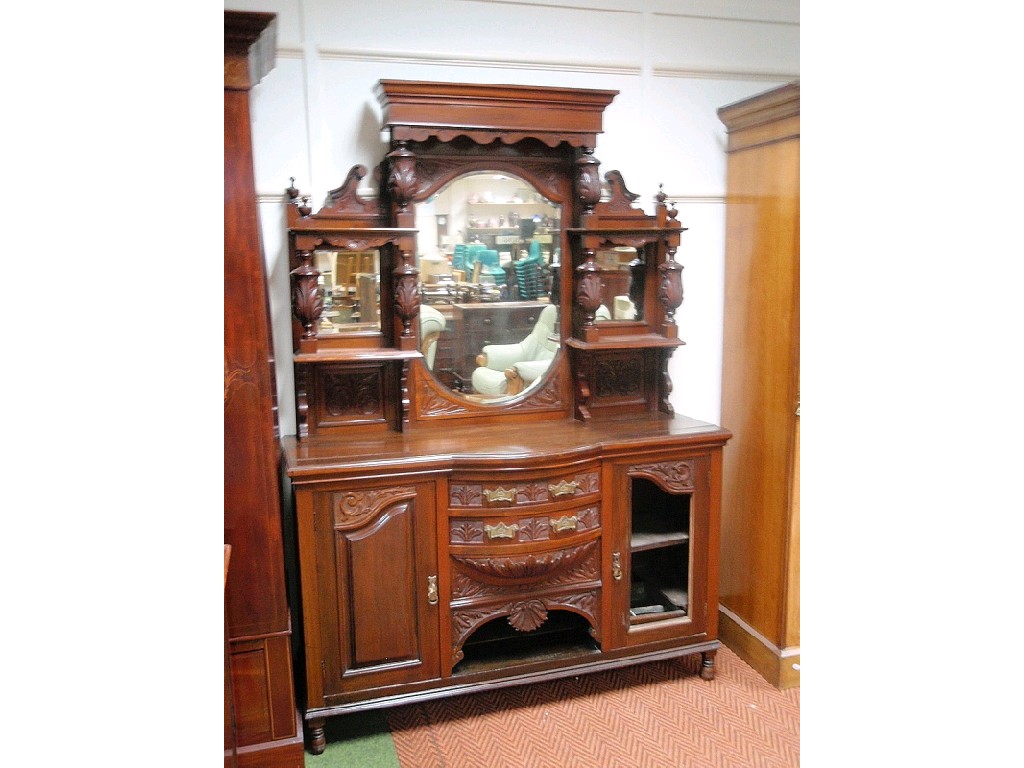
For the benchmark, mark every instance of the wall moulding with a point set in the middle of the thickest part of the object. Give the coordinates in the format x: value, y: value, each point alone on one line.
x: 723, y: 10
x: 722, y: 74
x: 596, y: 66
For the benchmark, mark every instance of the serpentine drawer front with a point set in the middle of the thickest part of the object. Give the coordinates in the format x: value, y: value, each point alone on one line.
x: 523, y: 544
x: 473, y: 491
x: 510, y: 530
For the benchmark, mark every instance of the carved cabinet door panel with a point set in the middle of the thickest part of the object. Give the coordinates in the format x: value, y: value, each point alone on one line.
x: 662, y: 560
x: 370, y: 590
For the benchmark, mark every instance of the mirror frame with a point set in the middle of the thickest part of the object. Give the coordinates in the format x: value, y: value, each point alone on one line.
x: 544, y: 177
x: 438, y: 131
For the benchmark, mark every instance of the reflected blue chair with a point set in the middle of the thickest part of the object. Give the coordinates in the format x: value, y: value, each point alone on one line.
x: 491, y: 265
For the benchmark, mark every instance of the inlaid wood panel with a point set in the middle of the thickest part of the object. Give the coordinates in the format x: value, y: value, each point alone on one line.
x: 264, y: 730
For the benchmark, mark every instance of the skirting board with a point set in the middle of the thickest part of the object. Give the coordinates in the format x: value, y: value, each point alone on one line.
x: 780, y: 668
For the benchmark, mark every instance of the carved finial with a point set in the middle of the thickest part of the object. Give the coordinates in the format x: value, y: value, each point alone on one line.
x: 347, y: 191
x: 402, y: 175
x: 618, y: 186
x: 292, y: 191
x: 672, y: 212
x: 619, y: 198
x: 660, y: 197
x: 305, y: 208
x: 588, y: 183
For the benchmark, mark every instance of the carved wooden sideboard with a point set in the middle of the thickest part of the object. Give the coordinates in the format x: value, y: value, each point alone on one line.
x: 448, y: 544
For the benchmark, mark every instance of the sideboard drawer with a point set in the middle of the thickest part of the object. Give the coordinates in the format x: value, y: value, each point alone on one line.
x: 512, y: 529
x: 477, y: 492
x: 484, y: 576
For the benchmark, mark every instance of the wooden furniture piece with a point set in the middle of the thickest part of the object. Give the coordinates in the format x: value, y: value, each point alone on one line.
x: 261, y: 724
x: 761, y: 385
x: 447, y: 545
x: 477, y: 325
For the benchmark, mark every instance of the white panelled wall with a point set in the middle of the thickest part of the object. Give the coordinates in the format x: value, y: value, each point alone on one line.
x: 674, y: 63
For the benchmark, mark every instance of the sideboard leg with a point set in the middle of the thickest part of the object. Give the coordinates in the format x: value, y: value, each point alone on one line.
x: 707, y: 665
x: 317, y: 739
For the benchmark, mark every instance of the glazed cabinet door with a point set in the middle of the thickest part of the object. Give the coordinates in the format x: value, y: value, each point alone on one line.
x: 369, y: 587
x: 662, y: 564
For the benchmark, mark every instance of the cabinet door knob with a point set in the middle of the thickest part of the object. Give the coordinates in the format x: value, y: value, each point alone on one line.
x: 432, y: 596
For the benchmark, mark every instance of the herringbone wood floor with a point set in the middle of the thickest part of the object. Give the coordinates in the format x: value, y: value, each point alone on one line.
x: 658, y: 715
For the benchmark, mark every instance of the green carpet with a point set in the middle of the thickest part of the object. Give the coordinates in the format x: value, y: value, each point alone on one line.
x: 360, y: 740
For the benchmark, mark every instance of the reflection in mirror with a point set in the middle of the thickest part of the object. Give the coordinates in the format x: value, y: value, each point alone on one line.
x: 351, y: 288
x: 488, y: 249
x: 621, y: 298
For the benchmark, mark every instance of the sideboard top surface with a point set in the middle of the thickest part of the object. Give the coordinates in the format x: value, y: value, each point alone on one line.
x: 499, y: 447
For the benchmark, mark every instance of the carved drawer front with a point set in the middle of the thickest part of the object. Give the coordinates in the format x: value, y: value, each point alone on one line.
x: 524, y: 587
x: 513, y: 529
x: 487, y: 577
x: 470, y: 493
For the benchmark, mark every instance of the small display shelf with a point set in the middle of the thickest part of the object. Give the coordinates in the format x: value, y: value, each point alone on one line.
x: 651, y: 601
x: 659, y: 552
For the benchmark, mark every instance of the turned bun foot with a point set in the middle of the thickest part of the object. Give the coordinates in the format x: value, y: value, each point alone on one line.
x: 317, y: 739
x: 707, y: 665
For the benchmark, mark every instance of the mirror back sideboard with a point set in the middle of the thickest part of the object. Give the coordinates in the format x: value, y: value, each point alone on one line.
x: 449, y: 539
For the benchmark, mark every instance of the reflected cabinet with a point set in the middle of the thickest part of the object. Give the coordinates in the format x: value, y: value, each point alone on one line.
x: 489, y: 484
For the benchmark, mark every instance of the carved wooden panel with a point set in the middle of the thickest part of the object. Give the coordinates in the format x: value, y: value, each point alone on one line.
x: 349, y: 395
x: 352, y: 509
x: 524, y: 615
x: 672, y: 476
x: 531, y: 567
x: 558, y: 488
x: 433, y: 401
x: 540, y: 528
x: 581, y: 566
x: 619, y: 380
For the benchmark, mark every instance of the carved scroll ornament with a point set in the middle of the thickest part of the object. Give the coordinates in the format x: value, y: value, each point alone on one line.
x: 355, y: 508
x: 673, y: 476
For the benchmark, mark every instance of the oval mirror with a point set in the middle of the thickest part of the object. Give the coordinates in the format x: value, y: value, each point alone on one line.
x: 486, y: 249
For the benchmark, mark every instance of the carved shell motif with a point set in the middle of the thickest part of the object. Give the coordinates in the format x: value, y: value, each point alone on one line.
x: 527, y: 615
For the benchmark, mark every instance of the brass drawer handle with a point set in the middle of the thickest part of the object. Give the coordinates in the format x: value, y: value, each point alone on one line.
x: 432, y: 596
x: 500, y: 494
x: 567, y: 523
x: 501, y: 531
x: 616, y: 566
x: 564, y: 488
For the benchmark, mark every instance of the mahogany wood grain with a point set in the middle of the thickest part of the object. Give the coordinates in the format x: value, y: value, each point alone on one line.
x: 761, y: 364
x: 259, y: 669
x: 447, y: 545
x: 391, y: 573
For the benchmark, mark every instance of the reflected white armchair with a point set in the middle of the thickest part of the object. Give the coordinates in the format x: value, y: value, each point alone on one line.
x: 432, y: 323
x: 509, y: 369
